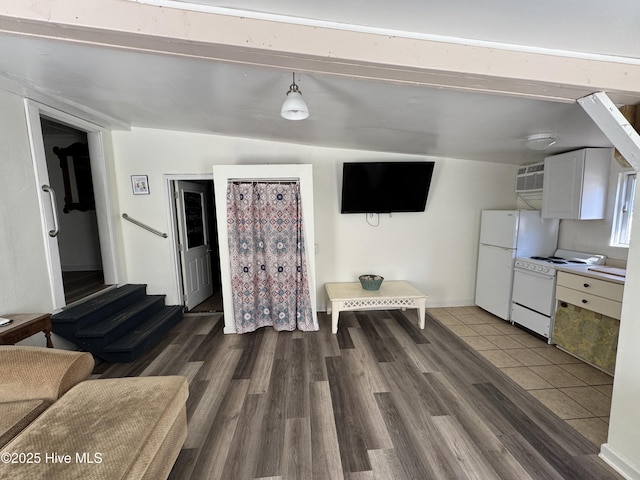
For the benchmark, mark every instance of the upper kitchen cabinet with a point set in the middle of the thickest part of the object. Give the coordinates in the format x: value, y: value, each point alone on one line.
x: 575, y: 184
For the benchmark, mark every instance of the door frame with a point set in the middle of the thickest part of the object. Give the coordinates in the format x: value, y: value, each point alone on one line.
x: 102, y: 189
x: 170, y: 181
x: 221, y: 176
x: 204, y: 288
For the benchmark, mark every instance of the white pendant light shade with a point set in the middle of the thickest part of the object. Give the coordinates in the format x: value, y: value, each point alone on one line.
x: 294, y: 106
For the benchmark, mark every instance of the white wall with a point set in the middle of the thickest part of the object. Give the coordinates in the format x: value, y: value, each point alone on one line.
x: 623, y: 444
x: 24, y: 283
x: 437, y: 249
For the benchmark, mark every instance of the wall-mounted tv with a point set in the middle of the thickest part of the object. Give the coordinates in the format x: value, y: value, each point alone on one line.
x: 385, y: 187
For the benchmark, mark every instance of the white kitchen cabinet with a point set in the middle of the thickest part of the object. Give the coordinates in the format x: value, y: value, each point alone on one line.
x: 593, y: 294
x: 575, y: 184
x: 587, y: 320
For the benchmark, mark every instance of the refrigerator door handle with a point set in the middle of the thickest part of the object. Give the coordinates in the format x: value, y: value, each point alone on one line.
x: 496, y: 246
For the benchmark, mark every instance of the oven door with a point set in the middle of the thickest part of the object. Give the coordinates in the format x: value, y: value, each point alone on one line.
x: 534, y: 291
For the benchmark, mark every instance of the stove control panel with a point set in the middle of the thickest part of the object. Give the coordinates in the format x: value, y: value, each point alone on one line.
x: 535, y: 267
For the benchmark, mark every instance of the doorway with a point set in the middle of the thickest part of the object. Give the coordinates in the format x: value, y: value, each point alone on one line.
x: 197, y: 245
x: 70, y: 182
x: 91, y: 247
x: 222, y: 175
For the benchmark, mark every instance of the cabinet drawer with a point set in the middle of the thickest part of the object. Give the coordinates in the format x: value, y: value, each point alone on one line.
x: 594, y: 303
x: 594, y: 286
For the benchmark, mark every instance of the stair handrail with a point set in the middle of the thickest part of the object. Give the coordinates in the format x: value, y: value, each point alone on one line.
x: 142, y: 225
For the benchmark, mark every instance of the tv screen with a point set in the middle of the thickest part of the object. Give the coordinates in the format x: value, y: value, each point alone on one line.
x: 385, y: 187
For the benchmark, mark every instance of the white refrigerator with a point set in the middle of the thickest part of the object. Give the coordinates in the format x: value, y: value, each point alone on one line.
x: 505, y: 235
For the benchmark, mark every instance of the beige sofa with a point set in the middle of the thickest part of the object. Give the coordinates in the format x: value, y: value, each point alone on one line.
x: 55, y: 424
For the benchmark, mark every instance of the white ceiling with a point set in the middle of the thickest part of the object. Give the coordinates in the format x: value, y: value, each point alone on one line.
x: 179, y: 93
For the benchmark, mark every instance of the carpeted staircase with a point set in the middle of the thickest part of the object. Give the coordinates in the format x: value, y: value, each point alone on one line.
x: 119, y: 325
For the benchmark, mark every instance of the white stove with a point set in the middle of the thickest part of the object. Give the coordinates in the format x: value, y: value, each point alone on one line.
x: 534, y: 286
x: 565, y: 258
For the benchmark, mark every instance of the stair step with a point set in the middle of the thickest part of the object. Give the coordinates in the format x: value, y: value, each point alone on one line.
x: 135, y: 342
x: 101, y: 334
x: 118, y: 325
x: 95, y: 310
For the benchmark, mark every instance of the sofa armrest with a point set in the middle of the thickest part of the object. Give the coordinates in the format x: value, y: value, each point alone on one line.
x: 37, y: 372
x: 123, y: 428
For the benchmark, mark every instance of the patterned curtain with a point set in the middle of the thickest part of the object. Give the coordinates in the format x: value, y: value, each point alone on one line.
x: 269, y: 281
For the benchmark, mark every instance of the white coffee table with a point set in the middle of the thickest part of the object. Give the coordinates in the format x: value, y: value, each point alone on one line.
x: 392, y: 294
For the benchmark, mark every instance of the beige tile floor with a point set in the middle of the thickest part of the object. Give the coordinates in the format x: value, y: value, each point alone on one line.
x: 575, y: 391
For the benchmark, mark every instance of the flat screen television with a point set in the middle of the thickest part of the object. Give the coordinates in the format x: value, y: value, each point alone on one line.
x: 385, y: 187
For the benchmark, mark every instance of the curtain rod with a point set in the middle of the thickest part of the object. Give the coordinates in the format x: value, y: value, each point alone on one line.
x: 263, y: 180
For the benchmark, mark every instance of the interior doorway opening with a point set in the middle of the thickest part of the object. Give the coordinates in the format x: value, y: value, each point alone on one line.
x: 195, y: 228
x: 71, y: 186
x: 222, y: 175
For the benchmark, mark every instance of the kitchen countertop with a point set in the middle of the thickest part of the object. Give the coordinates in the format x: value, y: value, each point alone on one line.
x: 584, y: 270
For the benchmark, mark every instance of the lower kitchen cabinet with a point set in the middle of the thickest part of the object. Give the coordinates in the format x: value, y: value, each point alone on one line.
x: 590, y: 336
x: 587, y: 318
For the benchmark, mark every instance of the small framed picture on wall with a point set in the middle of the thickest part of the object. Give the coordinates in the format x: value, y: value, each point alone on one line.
x: 140, y: 184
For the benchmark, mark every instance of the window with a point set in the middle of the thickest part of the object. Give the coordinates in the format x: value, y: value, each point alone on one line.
x: 623, y: 214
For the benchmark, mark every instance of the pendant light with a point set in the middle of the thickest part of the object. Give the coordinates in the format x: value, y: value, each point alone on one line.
x: 294, y: 107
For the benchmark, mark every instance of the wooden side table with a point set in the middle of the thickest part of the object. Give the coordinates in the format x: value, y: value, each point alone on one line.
x: 24, y: 325
x: 392, y: 294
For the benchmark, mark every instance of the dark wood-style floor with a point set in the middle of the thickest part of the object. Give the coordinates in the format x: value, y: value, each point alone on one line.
x: 211, y: 304
x: 379, y: 400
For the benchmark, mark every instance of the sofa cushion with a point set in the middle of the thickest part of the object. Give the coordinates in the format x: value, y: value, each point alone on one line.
x: 16, y: 416
x: 40, y: 373
x: 110, y: 428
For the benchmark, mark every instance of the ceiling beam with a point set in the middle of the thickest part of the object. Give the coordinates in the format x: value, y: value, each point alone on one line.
x: 312, y: 49
x: 614, y: 125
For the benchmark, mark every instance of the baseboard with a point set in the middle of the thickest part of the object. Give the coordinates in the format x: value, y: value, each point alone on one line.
x: 452, y: 303
x: 619, y: 463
